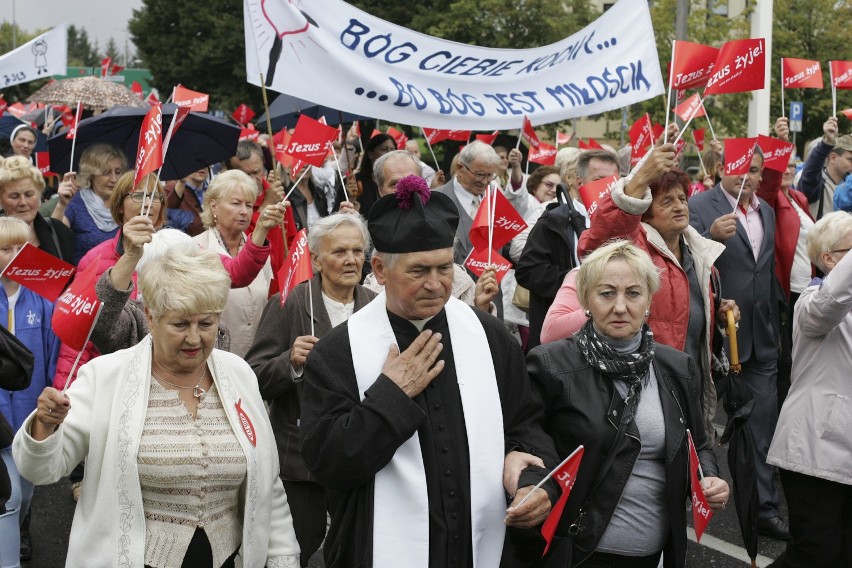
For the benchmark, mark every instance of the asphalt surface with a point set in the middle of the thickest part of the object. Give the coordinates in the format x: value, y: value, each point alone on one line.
x: 53, y: 509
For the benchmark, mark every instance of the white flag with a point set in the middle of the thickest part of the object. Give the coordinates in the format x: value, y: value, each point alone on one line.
x: 39, y: 58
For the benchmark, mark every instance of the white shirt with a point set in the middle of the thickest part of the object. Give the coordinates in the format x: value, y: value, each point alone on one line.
x: 469, y: 201
x: 800, y: 272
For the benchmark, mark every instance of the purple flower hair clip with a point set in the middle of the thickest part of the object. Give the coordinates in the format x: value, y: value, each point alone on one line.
x: 408, y: 187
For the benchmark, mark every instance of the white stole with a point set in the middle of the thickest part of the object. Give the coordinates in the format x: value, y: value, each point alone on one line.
x: 400, y: 501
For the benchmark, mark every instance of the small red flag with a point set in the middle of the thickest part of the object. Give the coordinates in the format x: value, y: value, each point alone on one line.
x: 136, y: 89
x: 43, y: 163
x: 508, y: 223
x: 592, y: 144
x: 847, y: 113
x: 641, y: 138
x: 776, y: 153
x: 528, y: 133
x: 152, y: 99
x: 701, y: 511
x: 488, y: 138
x: 738, y: 154
x: 39, y: 271
x: 477, y: 262
x: 249, y: 133
x: 563, y: 138
x: 545, y: 154
x: 698, y: 138
x: 77, y: 309
x: 177, y: 119
x: 281, y: 141
x: 434, y: 136
x: 243, y: 114
x: 195, y: 100
x: 592, y: 193
x: 149, y: 155
x: 106, y: 62
x: 72, y: 131
x: 841, y: 73
x: 801, y: 74
x: 115, y: 69
x: 692, y: 65
x: 3, y: 106
x: 399, y: 137
x: 690, y: 108
x: 298, y: 267
x: 566, y: 475
x: 310, y: 141
x: 740, y: 67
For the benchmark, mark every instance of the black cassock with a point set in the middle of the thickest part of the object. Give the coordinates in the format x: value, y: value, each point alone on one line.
x: 345, y: 441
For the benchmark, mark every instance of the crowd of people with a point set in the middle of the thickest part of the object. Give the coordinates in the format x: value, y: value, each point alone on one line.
x: 397, y: 409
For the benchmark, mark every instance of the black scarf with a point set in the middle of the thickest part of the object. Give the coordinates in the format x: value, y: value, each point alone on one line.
x: 632, y: 368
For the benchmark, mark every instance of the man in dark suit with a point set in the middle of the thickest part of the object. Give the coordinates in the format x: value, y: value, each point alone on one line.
x: 747, y: 272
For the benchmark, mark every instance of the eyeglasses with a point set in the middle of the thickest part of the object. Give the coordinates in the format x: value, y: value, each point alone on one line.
x: 138, y: 196
x: 478, y: 177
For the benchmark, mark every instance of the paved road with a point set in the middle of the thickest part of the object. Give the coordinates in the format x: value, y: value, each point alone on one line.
x: 53, y: 508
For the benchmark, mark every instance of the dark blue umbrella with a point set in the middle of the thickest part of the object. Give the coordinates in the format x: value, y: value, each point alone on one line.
x: 8, y: 123
x: 285, y: 111
x: 200, y: 141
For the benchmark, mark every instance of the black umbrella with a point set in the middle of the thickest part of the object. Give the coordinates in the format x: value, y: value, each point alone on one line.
x: 200, y: 141
x: 285, y: 110
x: 738, y: 403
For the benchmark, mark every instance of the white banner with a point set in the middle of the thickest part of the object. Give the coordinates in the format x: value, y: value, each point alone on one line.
x: 39, y: 58
x: 333, y: 54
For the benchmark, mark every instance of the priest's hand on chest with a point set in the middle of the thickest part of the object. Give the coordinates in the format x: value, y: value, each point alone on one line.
x: 413, y: 369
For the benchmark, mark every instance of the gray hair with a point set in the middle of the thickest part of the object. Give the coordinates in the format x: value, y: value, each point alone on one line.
x: 221, y: 186
x: 593, y: 266
x: 379, y: 164
x: 187, y: 280
x: 389, y: 259
x: 327, y: 225
x: 826, y: 233
x: 588, y: 155
x: 565, y: 159
x: 163, y: 241
x: 479, y: 150
x: 245, y: 149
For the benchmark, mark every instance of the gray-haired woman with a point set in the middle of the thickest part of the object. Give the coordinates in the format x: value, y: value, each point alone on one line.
x: 284, y: 339
x: 181, y: 465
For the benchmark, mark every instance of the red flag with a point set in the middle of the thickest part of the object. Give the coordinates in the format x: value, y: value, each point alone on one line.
x: 738, y: 154
x: 740, y: 67
x: 242, y: 114
x: 17, y: 109
x: 657, y: 130
x: 565, y: 474
x: 545, y: 154
x: 847, y: 113
x: 399, y: 137
x: 477, y: 262
x: 801, y: 73
x: 701, y: 511
x: 641, y: 138
x: 39, y: 271
x: 528, y: 133
x: 115, y: 69
x: 776, y: 153
x: 562, y: 138
x: 72, y: 131
x: 507, y: 222
x: 3, y: 106
x: 592, y: 193
x: 77, y: 309
x: 310, y: 142
x: 43, y: 163
x: 281, y: 141
x: 298, y: 267
x: 592, y: 144
x: 434, y: 136
x: 249, y: 133
x: 488, y: 138
x: 692, y: 65
x: 152, y: 99
x: 149, y: 155
x: 106, y: 62
x: 136, y: 89
x: 698, y: 138
x: 690, y: 108
x: 177, y: 119
x: 195, y: 100
x: 841, y: 72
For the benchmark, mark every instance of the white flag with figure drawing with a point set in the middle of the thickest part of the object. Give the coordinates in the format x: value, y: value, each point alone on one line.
x: 39, y: 58
x: 331, y: 53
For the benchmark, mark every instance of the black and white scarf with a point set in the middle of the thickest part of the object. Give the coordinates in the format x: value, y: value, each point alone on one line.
x: 632, y: 368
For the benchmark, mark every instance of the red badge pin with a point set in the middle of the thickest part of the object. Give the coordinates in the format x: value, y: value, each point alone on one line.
x: 245, y: 421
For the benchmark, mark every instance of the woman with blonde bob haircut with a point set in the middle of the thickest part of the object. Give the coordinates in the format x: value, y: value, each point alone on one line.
x: 630, y: 402
x: 181, y: 461
x: 811, y: 445
x: 226, y: 215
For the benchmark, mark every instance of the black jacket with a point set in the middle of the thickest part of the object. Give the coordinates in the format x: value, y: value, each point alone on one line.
x: 579, y: 406
x: 300, y: 205
x: 547, y: 258
x: 54, y: 237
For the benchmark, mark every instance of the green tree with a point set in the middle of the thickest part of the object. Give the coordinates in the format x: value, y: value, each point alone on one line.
x: 818, y: 30
x: 113, y: 52
x: 81, y: 52
x: 201, y: 49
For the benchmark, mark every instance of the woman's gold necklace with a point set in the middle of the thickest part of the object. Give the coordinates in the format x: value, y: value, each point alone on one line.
x: 197, y: 391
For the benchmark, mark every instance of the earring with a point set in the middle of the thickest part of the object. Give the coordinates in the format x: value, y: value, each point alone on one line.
x: 588, y: 313
x: 215, y: 219
x: 647, y: 312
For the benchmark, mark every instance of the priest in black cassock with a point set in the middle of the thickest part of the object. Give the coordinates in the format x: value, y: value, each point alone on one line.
x: 411, y: 407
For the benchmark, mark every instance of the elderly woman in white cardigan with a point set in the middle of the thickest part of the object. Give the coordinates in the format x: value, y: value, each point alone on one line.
x: 812, y: 445
x: 181, y: 462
